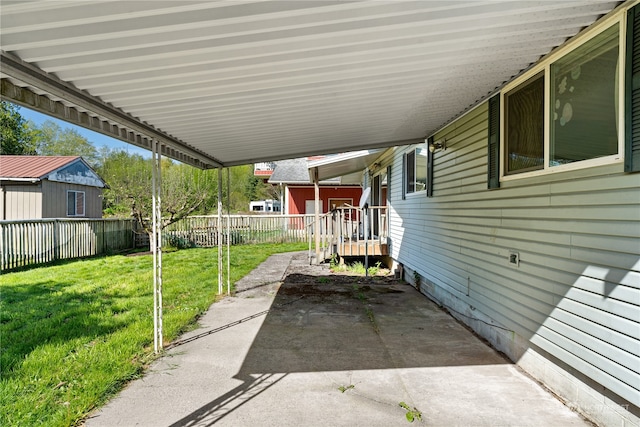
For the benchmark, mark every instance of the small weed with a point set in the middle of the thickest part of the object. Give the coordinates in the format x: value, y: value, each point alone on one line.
x: 363, y: 298
x: 357, y: 268
x: 375, y: 269
x: 339, y: 268
x: 322, y: 279
x: 333, y: 263
x: 412, y: 414
x: 372, y: 319
x: 416, y: 279
x: 345, y: 388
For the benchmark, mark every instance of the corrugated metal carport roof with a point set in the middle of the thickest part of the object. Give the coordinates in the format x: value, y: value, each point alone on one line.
x: 233, y: 82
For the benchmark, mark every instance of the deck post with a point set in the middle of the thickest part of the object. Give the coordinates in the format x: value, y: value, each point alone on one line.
x: 366, y: 239
x: 316, y: 187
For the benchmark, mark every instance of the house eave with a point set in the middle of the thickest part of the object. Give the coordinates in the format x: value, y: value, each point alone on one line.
x: 344, y: 164
x: 4, y: 180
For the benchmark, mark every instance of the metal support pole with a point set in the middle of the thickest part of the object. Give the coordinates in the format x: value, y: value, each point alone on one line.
x: 220, y: 278
x: 153, y: 245
x: 156, y: 245
x: 159, y: 247
x: 228, y: 232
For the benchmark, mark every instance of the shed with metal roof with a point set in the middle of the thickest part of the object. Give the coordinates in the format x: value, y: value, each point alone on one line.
x: 35, y: 187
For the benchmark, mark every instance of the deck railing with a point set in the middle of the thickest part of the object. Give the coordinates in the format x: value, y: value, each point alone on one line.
x: 343, y: 232
x: 28, y: 242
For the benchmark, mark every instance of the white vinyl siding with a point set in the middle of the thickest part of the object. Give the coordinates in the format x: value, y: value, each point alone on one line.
x: 576, y: 291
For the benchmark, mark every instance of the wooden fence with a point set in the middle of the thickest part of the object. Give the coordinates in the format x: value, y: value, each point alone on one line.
x: 29, y: 242
x: 202, y: 231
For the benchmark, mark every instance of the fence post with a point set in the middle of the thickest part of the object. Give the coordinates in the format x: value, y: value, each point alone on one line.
x: 56, y: 240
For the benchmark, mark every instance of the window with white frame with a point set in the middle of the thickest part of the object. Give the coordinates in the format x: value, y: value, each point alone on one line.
x: 415, y: 170
x: 524, y: 126
x: 584, y: 95
x: 75, y: 203
x: 565, y: 111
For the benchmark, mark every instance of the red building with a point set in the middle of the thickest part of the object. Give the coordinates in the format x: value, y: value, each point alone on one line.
x: 298, y: 193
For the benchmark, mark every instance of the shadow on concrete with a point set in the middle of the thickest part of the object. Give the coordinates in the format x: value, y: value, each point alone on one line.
x: 184, y: 341
x: 360, y: 324
x: 340, y: 323
x: 216, y: 410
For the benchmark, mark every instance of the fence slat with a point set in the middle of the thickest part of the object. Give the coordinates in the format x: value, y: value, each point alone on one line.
x: 31, y: 242
x: 202, y: 231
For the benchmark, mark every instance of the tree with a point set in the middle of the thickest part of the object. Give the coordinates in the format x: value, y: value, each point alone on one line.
x: 52, y: 140
x: 254, y: 188
x: 185, y: 190
x: 17, y: 134
x: 126, y: 175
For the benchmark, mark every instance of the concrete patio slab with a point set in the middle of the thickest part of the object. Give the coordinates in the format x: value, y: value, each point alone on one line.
x: 297, y: 346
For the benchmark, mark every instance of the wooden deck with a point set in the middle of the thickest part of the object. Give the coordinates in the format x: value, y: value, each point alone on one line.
x: 341, y: 233
x: 357, y: 248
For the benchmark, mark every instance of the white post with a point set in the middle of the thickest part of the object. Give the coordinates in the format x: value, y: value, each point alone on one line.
x: 228, y: 232
x: 220, y: 278
x: 282, y: 199
x: 152, y: 243
x: 365, y: 223
x: 156, y: 244
x: 316, y: 186
x: 159, y: 248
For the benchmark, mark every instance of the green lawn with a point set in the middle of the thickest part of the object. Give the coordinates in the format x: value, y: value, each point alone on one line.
x: 71, y: 335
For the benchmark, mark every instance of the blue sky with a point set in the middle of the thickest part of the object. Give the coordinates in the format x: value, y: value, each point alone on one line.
x: 97, y: 139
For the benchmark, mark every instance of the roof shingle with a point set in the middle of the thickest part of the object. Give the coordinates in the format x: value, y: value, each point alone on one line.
x: 295, y: 171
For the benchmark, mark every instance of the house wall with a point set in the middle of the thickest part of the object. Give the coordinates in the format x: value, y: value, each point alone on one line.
x: 569, y: 313
x: 54, y: 199
x: 297, y: 195
x: 21, y: 201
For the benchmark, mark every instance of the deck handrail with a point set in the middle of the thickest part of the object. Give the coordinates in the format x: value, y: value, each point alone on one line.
x: 344, y: 225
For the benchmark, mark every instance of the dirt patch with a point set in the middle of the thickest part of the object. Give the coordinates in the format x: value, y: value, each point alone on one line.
x: 340, y: 278
x: 139, y: 253
x: 339, y: 284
